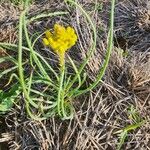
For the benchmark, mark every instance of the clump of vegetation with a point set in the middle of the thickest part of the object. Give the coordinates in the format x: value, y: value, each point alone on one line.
x: 137, y: 122
x: 61, y: 89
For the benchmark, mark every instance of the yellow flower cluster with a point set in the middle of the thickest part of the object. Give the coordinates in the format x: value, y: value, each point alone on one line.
x: 60, y: 40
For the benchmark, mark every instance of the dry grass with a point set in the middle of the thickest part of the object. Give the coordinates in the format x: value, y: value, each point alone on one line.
x: 133, y: 23
x: 103, y: 111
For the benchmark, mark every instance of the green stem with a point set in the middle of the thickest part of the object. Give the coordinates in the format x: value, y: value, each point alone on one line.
x: 92, y: 48
x: 108, y: 54
x: 20, y: 69
x: 60, y: 98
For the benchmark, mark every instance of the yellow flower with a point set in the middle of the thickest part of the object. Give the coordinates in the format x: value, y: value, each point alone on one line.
x: 60, y: 40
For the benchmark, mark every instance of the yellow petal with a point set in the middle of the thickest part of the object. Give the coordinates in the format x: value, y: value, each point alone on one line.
x: 54, y: 44
x: 46, y: 42
x: 48, y: 34
x: 75, y: 37
x: 50, y: 39
x: 58, y: 29
x: 70, y: 30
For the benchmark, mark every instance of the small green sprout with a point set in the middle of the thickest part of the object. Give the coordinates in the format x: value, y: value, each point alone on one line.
x: 137, y: 123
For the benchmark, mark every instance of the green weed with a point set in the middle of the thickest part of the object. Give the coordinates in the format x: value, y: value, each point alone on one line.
x: 7, y: 99
x: 137, y: 123
x: 57, y: 88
